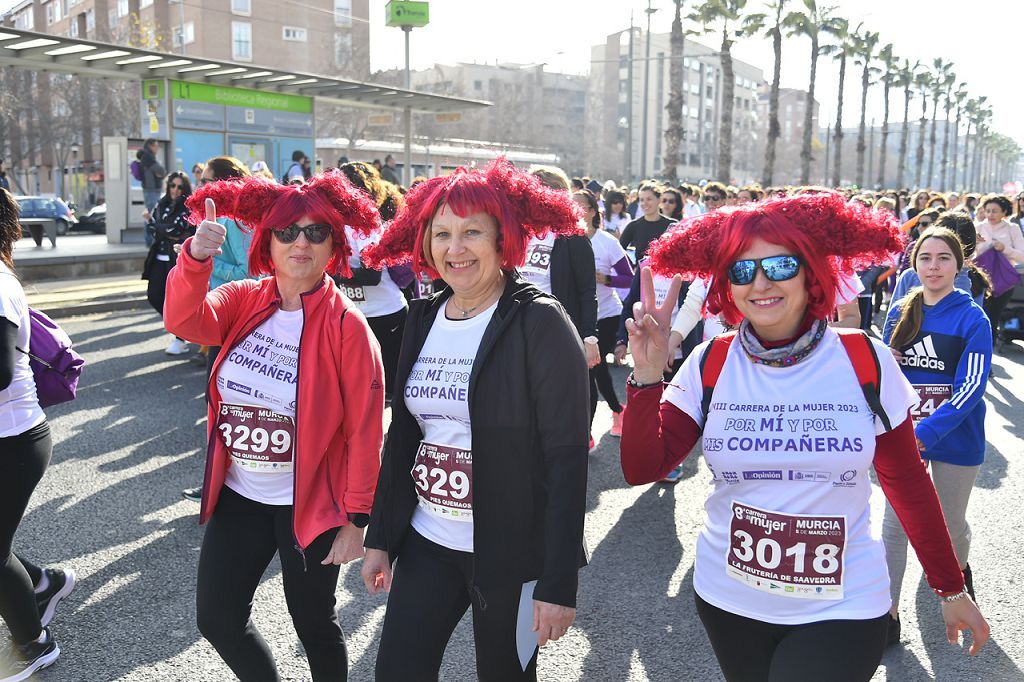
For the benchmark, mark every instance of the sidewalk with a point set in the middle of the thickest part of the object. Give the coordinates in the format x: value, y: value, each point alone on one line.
x: 84, y: 296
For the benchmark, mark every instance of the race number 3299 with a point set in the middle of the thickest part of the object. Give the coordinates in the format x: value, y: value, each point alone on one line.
x: 257, y: 438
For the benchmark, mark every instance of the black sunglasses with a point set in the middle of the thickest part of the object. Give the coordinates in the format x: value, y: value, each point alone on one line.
x: 176, y: 185
x: 775, y: 268
x: 713, y: 197
x: 316, y: 233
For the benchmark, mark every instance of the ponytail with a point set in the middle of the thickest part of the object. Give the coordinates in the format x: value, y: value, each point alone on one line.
x: 981, y: 283
x: 908, y: 326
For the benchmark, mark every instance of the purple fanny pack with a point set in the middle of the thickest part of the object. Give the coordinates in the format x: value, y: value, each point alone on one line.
x: 55, y: 365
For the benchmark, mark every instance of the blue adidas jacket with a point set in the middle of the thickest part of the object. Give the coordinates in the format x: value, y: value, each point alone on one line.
x: 953, y: 348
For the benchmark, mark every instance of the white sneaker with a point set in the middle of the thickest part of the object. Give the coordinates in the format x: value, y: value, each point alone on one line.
x: 177, y: 347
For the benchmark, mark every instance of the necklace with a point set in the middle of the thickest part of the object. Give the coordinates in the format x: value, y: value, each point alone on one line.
x: 465, y: 311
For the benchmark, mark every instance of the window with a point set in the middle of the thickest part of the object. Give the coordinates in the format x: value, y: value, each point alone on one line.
x: 478, y: 85
x: 90, y: 19
x: 145, y: 3
x: 293, y: 33
x: 241, y: 40
x: 190, y: 34
x: 73, y: 29
x: 343, y: 13
x: 243, y: 7
x: 25, y: 20
x: 51, y: 13
x: 122, y: 8
x: 343, y: 49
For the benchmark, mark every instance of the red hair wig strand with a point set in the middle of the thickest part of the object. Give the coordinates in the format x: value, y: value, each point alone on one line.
x: 829, y: 234
x: 520, y: 204
x: 261, y: 205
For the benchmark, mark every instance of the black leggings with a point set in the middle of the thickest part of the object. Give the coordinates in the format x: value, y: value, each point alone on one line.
x: 600, y: 377
x: 994, y: 308
x: 25, y: 458
x: 240, y: 541
x: 750, y: 650
x: 156, y: 286
x: 430, y: 591
x: 389, y: 329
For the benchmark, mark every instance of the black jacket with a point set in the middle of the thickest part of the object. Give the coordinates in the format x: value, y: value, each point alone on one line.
x: 168, y: 225
x: 574, y: 281
x: 530, y: 411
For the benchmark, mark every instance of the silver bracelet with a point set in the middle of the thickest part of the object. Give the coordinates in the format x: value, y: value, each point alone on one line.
x: 962, y: 594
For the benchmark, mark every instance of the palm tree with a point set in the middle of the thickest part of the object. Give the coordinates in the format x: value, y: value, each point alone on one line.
x: 944, y: 166
x: 923, y: 81
x: 960, y: 97
x: 865, y: 45
x: 723, y: 16
x: 774, y: 129
x: 905, y: 80
x: 674, y: 132
x: 812, y: 22
x: 890, y: 72
x: 943, y: 72
x: 845, y: 48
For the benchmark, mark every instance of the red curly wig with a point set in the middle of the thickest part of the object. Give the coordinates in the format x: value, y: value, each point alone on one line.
x: 260, y: 205
x: 520, y: 204
x: 829, y: 235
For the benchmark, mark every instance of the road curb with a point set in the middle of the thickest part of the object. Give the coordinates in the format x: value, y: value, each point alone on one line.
x: 92, y: 308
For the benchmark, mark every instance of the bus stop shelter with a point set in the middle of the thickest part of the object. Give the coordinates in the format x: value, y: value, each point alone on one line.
x: 197, y: 105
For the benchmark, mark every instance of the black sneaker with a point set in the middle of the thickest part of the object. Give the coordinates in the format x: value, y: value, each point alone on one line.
x: 193, y: 494
x: 60, y: 584
x: 894, y: 631
x: 969, y: 582
x: 21, y: 661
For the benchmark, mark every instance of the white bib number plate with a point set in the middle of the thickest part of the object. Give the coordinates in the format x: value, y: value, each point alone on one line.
x: 257, y: 439
x: 929, y: 398
x: 354, y: 293
x: 444, y: 481
x: 791, y: 555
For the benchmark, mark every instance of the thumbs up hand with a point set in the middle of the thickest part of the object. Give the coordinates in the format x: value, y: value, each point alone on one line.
x: 209, y: 236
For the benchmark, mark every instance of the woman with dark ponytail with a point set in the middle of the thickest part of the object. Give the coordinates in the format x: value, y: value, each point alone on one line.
x: 943, y: 343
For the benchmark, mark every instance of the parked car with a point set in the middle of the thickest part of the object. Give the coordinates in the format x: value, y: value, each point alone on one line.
x: 94, y: 221
x: 46, y: 207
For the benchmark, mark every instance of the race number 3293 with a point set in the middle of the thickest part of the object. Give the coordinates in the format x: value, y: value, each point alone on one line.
x: 257, y: 439
x: 792, y: 555
x: 444, y: 481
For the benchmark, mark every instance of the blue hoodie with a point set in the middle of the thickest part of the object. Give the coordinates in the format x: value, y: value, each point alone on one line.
x: 949, y: 360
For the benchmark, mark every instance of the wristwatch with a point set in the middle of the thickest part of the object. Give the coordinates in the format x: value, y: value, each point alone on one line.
x: 592, y: 340
x: 359, y: 520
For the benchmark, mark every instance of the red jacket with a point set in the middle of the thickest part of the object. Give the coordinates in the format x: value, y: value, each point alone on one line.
x: 339, y: 408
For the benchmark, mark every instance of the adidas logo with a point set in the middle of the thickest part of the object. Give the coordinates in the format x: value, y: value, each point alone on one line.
x: 923, y: 356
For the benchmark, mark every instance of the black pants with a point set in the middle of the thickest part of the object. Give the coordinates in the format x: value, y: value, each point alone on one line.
x: 600, y: 377
x: 865, y: 312
x: 750, y: 650
x: 156, y: 285
x: 389, y: 329
x: 240, y: 541
x: 25, y: 458
x: 430, y: 591
x: 994, y: 308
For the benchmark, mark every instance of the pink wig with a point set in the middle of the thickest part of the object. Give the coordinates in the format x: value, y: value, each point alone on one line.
x: 520, y: 204
x: 261, y: 205
x: 829, y: 235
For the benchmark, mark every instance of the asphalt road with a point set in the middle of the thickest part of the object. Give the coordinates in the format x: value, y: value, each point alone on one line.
x: 110, y: 507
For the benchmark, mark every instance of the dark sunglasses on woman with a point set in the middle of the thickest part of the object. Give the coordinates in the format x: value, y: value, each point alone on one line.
x: 775, y: 268
x: 315, y: 233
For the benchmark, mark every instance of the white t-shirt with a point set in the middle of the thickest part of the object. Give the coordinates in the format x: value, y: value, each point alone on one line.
x: 607, y: 252
x: 376, y: 301
x: 537, y: 269
x: 19, y: 405
x: 437, y: 395
x: 616, y: 224
x: 783, y: 443
x: 261, y: 372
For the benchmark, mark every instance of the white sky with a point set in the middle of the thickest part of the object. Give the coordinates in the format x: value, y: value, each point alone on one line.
x: 980, y: 37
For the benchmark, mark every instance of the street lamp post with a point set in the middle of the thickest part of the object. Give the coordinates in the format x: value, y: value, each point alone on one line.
x: 647, y: 83
x: 407, y: 15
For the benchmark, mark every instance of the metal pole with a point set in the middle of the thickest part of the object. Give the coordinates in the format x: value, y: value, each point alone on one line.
x: 629, y: 107
x: 407, y: 165
x: 181, y: 7
x: 647, y: 83
x: 824, y: 175
x: 871, y: 154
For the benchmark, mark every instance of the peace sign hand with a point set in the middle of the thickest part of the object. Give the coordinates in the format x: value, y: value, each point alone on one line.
x: 209, y: 236
x: 650, y: 328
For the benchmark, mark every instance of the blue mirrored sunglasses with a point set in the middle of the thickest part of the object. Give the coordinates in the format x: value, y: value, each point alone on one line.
x: 775, y: 268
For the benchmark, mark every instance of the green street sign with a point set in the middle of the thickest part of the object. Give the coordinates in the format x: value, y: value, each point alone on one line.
x: 404, y: 13
x: 241, y: 97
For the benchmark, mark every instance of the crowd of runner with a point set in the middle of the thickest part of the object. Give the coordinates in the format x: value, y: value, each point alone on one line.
x: 486, y: 309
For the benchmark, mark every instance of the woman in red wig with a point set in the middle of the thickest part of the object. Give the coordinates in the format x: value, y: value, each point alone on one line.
x: 789, y: 579
x: 482, y: 488
x: 295, y: 412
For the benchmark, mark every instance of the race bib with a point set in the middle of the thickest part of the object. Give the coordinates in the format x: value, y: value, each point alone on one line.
x: 424, y: 287
x: 443, y: 477
x: 354, y: 293
x: 538, y: 258
x: 929, y: 398
x: 792, y: 555
x: 257, y: 439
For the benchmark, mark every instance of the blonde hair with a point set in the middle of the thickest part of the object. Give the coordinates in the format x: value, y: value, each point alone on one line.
x: 551, y: 176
